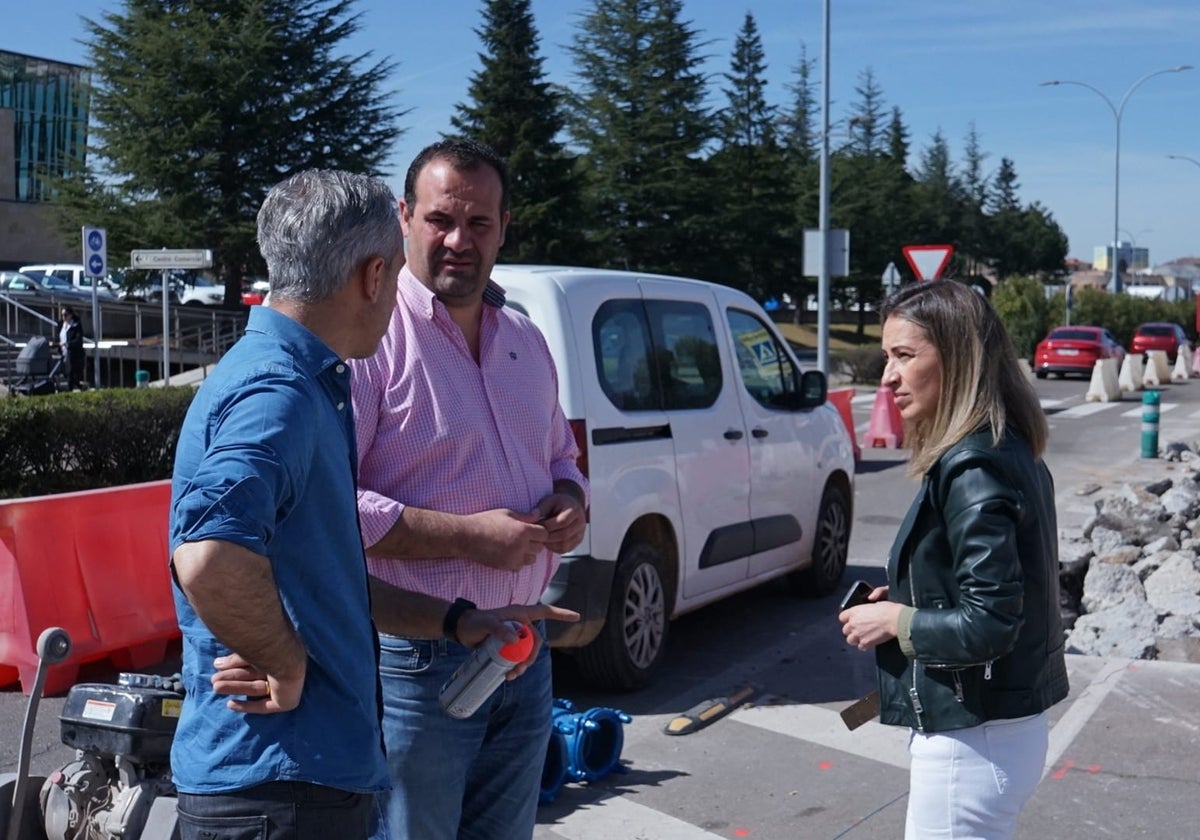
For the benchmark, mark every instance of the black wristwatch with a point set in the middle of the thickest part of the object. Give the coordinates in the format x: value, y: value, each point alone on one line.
x: 450, y: 622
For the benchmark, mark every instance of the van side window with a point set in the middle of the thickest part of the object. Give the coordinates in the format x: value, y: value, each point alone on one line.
x: 766, y: 369
x: 688, y: 363
x: 621, y: 340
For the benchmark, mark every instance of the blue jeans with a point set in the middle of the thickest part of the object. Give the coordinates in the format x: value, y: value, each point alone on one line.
x: 276, y: 809
x: 473, y: 779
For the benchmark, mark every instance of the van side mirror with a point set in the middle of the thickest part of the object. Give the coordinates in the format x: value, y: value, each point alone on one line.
x: 814, y: 389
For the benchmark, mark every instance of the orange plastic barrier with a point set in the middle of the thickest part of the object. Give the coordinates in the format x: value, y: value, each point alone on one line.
x: 93, y: 563
x: 841, y: 397
x: 887, y: 427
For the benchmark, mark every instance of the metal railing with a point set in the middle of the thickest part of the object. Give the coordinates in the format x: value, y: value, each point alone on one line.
x: 131, y: 335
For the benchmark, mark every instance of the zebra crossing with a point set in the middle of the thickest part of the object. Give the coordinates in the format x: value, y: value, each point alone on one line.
x: 1056, y: 410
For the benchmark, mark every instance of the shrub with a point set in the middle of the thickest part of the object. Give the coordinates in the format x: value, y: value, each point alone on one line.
x: 863, y: 364
x: 82, y: 441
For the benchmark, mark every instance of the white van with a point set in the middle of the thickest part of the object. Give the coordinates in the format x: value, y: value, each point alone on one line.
x: 73, y: 273
x: 715, y: 463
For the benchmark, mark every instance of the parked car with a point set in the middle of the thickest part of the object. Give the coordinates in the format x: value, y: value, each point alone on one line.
x: 1159, y: 335
x: 72, y: 273
x: 715, y: 463
x: 21, y: 285
x: 1075, y: 350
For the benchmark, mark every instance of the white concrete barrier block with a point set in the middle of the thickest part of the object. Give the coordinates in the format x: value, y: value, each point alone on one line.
x: 1104, y: 386
x: 1185, y: 353
x: 1157, y: 359
x: 1130, y: 377
x: 1180, y: 372
x: 1196, y: 362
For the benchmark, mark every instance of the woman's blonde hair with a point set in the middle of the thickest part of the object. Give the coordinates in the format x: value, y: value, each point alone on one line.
x: 981, y: 382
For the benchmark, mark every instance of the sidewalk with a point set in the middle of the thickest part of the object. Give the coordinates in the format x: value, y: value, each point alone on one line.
x: 1122, y: 763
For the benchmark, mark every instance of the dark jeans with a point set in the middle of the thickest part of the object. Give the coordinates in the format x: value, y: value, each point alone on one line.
x: 275, y: 811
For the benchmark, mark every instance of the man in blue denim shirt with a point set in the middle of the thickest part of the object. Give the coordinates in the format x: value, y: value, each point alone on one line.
x: 280, y: 729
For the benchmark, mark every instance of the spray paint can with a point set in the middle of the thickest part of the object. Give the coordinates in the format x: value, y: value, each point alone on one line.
x: 482, y: 672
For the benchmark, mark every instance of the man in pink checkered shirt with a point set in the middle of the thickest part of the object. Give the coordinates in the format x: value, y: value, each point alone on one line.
x: 468, y: 492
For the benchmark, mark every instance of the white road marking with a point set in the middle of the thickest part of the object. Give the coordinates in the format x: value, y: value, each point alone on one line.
x: 618, y: 816
x: 1085, y: 409
x: 1082, y: 709
x: 1162, y: 409
x: 818, y: 725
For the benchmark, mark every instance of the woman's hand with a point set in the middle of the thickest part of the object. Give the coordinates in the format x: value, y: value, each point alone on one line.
x: 869, y: 625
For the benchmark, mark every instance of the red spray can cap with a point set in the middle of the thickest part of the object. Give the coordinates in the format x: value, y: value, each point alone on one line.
x: 519, y: 650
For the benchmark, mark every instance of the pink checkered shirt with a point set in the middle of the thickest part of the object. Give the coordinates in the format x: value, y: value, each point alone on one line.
x: 440, y: 432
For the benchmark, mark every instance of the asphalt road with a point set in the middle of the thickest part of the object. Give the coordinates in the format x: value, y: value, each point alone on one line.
x: 784, y: 767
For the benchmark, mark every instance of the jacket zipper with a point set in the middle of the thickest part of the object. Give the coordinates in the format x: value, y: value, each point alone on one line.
x: 913, y: 696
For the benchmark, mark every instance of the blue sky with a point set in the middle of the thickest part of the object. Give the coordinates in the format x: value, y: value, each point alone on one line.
x: 945, y: 63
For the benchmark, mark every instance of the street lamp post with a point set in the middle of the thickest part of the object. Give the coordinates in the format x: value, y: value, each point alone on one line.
x: 823, y: 205
x: 1185, y: 157
x: 1118, y: 111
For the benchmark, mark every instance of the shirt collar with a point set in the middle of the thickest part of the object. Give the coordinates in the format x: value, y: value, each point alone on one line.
x: 313, y: 353
x: 421, y: 299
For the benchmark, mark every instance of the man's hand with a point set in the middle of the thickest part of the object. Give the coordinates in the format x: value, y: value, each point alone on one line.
x: 505, y: 539
x: 563, y: 517
x: 266, y: 694
x: 476, y: 625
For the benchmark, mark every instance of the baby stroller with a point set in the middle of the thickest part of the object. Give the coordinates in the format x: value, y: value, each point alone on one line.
x: 37, y: 366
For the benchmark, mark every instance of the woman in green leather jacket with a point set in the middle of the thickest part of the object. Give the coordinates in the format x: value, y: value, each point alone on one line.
x: 967, y: 635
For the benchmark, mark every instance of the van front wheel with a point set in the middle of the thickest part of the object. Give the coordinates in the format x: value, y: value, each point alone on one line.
x: 830, y: 546
x: 630, y: 648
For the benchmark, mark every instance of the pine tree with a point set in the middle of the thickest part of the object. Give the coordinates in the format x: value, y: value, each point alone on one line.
x: 754, y: 207
x: 515, y: 111
x: 639, y: 119
x: 200, y: 107
x: 976, y: 188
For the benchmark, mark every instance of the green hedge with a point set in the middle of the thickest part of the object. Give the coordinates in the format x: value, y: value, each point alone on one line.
x: 84, y: 440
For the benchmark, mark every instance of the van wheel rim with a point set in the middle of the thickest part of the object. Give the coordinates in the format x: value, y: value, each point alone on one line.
x: 834, y: 540
x: 644, y: 611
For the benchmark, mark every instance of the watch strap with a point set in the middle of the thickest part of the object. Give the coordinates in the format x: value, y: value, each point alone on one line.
x: 450, y: 622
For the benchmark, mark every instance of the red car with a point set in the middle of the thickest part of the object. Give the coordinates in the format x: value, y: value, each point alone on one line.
x: 1159, y: 335
x: 1075, y: 350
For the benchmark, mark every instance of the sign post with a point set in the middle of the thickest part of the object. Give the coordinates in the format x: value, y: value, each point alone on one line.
x: 928, y: 261
x: 165, y: 260
x: 95, y: 265
x: 891, y: 278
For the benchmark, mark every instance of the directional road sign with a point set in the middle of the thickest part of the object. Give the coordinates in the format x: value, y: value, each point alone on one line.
x: 95, y: 252
x: 928, y: 261
x: 891, y: 277
x: 194, y: 258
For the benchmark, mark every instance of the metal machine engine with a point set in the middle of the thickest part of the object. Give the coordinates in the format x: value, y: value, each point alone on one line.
x: 119, y: 785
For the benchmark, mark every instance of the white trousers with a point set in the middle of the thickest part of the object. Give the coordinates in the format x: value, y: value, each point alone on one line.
x: 970, y: 784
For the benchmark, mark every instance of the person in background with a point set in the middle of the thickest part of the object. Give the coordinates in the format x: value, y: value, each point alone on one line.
x: 70, y: 345
x: 967, y: 634
x: 280, y: 730
x: 468, y: 492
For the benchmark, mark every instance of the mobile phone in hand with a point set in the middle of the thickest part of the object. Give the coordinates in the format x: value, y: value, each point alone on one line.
x: 859, y: 590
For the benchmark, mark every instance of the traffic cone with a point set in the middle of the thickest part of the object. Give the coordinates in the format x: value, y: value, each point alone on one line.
x: 887, y: 427
x: 841, y: 397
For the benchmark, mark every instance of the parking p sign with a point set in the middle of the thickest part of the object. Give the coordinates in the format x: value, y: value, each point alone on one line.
x: 95, y: 252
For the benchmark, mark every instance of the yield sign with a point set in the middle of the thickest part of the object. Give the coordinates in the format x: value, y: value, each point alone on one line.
x: 928, y: 261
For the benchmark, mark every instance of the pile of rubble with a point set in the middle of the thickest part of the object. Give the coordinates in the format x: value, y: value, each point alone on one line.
x: 1131, y: 583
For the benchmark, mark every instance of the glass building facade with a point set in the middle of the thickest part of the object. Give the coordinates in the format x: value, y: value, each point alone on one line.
x: 49, y: 101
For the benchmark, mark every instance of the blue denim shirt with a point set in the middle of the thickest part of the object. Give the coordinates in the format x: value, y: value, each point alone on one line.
x: 266, y: 460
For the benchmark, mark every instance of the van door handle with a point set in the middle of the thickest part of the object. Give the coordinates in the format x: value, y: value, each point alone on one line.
x: 759, y: 433
x: 733, y: 434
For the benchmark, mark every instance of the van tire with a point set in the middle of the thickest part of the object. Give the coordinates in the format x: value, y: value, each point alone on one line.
x: 831, y: 544
x: 630, y: 647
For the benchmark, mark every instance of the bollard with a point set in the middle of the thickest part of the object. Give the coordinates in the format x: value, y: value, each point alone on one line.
x: 1150, y: 424
x: 141, y: 378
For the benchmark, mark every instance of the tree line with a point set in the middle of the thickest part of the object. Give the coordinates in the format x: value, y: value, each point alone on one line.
x: 199, y: 107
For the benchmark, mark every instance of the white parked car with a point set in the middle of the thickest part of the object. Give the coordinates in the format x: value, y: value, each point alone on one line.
x: 73, y: 273
x: 715, y: 463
